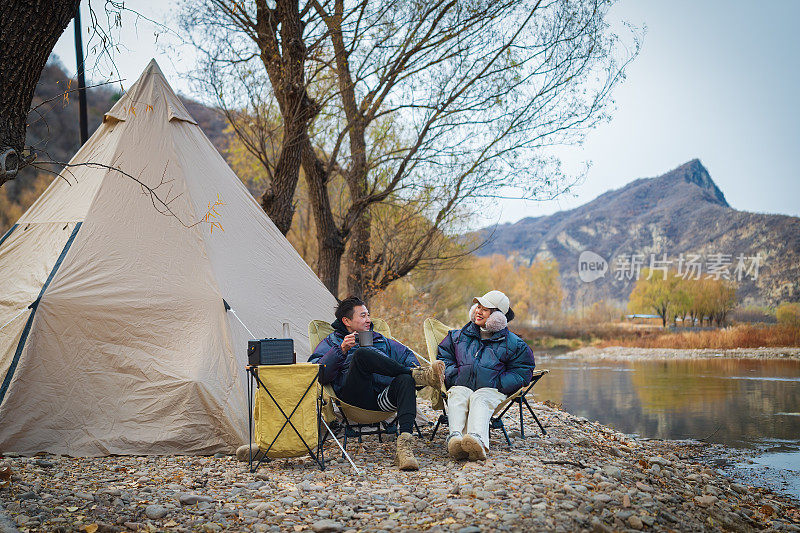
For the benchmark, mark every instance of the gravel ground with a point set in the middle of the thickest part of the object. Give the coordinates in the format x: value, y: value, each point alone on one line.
x: 622, y: 352
x: 582, y: 477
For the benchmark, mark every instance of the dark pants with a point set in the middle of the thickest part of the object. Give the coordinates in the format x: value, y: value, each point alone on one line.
x: 358, y: 390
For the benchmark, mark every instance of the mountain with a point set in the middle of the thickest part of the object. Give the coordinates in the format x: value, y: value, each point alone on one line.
x: 680, y: 212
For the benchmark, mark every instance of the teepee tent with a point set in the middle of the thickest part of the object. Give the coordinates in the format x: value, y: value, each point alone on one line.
x: 117, y: 339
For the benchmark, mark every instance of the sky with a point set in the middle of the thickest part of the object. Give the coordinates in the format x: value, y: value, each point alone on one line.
x: 716, y: 80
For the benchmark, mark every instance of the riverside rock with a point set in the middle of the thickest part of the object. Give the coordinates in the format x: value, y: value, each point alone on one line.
x: 154, y: 512
x: 537, y: 484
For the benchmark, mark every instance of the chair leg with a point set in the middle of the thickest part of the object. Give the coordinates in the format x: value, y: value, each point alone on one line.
x: 505, y: 434
x: 536, y: 418
x: 442, y: 418
x: 498, y: 423
x: 419, y: 433
x: 521, y: 421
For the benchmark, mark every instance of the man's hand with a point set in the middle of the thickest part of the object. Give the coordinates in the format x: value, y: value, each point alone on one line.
x: 348, y: 342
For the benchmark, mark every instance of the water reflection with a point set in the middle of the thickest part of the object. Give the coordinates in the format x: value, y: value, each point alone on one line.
x: 737, y: 402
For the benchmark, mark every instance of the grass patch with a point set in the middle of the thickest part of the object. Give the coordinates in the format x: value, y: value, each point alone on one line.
x: 739, y: 336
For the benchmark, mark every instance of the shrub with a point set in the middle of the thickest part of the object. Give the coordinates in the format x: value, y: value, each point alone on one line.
x: 788, y: 313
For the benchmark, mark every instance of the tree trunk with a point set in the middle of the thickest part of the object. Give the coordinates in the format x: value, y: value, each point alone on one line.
x: 277, y: 201
x: 330, y: 240
x: 359, y: 281
x: 28, y: 33
x: 284, y: 61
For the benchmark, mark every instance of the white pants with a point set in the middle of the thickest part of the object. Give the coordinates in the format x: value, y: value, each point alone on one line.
x: 469, y: 411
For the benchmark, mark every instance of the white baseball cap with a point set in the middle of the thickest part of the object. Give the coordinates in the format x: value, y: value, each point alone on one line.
x: 494, y: 300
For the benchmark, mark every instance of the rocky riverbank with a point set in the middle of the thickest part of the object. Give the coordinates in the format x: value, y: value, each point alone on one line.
x: 625, y: 352
x: 582, y: 477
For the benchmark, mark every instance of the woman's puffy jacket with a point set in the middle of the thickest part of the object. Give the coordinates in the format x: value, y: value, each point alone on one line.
x: 329, y: 353
x: 503, y: 361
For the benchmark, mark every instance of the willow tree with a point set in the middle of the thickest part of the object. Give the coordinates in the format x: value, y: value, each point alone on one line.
x: 426, y: 107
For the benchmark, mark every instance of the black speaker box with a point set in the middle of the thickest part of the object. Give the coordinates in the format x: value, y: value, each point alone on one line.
x: 271, y: 352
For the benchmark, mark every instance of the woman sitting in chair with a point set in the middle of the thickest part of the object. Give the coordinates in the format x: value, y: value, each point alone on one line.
x: 484, y: 363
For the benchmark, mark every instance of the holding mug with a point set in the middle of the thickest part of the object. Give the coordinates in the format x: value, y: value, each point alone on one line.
x: 364, y: 338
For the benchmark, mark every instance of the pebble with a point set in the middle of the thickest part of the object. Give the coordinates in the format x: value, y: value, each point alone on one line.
x: 741, y: 489
x: 635, y: 522
x: 154, y: 512
x: 194, y: 499
x: 624, y: 484
x: 326, y: 525
x: 706, y: 501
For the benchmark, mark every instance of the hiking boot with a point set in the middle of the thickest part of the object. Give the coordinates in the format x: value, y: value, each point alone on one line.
x: 474, y: 447
x: 454, y: 448
x: 405, y: 452
x: 430, y: 376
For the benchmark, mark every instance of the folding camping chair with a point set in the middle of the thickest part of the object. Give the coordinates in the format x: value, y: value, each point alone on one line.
x: 285, y: 412
x: 435, y: 332
x: 358, y: 422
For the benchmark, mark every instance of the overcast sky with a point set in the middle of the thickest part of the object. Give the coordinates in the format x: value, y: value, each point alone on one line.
x: 716, y: 80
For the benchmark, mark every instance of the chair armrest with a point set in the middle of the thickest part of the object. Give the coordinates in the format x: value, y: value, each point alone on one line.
x: 522, y: 391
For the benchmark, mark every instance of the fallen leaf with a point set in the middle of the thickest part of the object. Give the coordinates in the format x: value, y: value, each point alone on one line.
x: 767, y: 510
x: 91, y: 528
x: 72, y: 509
x: 170, y: 523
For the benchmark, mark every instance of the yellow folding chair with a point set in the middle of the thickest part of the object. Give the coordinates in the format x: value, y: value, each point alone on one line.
x: 435, y: 332
x: 357, y: 421
x: 285, y: 417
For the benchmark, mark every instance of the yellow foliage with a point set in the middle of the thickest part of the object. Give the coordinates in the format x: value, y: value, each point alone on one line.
x: 788, y: 313
x: 670, y: 296
x: 12, y: 206
x: 534, y: 291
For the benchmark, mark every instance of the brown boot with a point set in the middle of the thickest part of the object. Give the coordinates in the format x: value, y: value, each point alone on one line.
x: 430, y: 376
x: 454, y: 448
x: 405, y: 452
x: 474, y: 447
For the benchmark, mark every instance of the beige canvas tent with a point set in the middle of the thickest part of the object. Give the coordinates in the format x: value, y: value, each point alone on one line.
x: 117, y: 340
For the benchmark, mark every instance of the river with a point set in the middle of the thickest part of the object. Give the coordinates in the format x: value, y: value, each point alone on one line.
x: 749, y: 404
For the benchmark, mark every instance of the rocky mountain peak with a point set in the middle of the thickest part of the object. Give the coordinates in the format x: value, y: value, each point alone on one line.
x: 695, y: 173
x: 679, y: 212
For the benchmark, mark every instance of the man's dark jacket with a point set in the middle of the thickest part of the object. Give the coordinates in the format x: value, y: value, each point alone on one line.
x: 329, y: 353
x: 503, y: 361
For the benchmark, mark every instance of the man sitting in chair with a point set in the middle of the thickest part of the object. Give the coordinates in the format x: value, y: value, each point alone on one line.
x: 484, y: 363
x: 381, y: 377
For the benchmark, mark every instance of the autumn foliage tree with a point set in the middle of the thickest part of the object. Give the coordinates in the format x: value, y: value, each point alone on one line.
x: 534, y: 289
x: 671, y: 296
x: 419, y: 109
